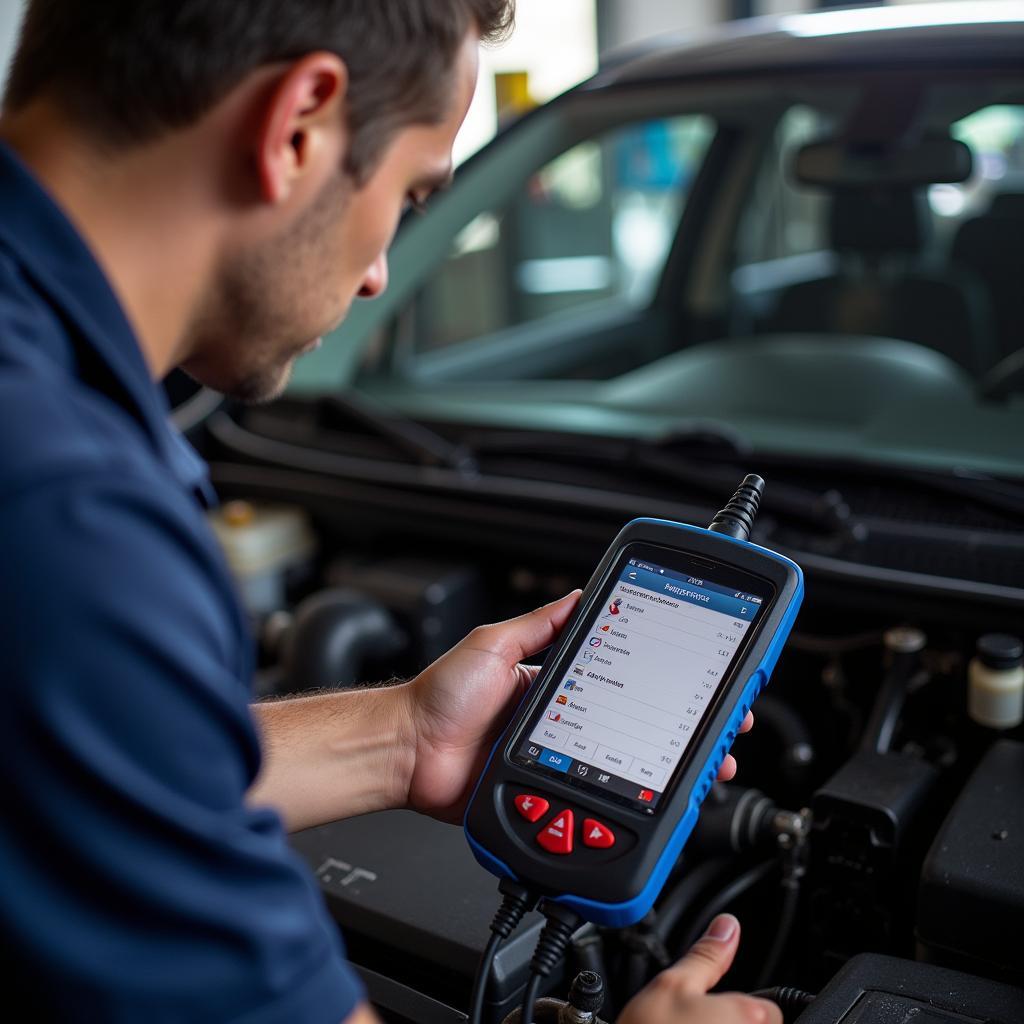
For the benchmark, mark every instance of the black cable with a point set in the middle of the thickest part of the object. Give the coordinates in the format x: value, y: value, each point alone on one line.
x: 726, y: 897
x: 645, y: 948
x: 530, y: 998
x: 679, y: 900
x: 787, y: 917
x: 554, y: 939
x: 792, y: 1001
x: 517, y: 900
x: 483, y: 976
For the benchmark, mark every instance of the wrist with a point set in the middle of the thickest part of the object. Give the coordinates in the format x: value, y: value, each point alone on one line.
x: 370, y: 749
x: 336, y: 755
x: 401, y: 707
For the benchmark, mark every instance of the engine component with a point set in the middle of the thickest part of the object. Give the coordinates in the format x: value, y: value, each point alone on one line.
x: 333, y: 634
x: 995, y: 682
x: 971, y: 907
x: 436, y: 603
x: 796, y: 755
x: 903, y: 645
x: 389, y: 879
x: 734, y: 819
x: 869, y: 835
x: 262, y: 544
x: 586, y: 997
x: 874, y: 989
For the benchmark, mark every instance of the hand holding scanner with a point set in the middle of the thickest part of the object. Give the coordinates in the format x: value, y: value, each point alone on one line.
x: 592, y: 791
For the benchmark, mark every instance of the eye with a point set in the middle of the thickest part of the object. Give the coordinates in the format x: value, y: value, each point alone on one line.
x: 416, y: 203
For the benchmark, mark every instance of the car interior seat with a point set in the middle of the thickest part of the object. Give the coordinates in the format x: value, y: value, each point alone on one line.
x: 991, y: 246
x: 886, y: 286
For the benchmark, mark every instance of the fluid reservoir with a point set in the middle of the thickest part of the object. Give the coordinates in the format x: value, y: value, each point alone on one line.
x: 995, y: 682
x: 262, y: 543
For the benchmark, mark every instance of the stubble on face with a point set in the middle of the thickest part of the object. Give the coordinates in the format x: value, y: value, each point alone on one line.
x: 270, y: 304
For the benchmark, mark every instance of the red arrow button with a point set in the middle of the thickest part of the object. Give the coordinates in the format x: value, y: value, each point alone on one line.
x: 556, y: 836
x: 599, y: 836
x: 532, y: 808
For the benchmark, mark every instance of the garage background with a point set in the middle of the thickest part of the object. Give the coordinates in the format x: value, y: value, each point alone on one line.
x: 554, y: 46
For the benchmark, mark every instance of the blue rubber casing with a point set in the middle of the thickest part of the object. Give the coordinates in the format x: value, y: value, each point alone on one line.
x: 622, y: 891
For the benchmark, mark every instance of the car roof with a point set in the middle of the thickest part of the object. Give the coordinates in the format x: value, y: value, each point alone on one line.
x: 903, y: 35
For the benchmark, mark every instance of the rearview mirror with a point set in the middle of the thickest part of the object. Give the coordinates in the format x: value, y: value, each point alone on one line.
x: 832, y: 164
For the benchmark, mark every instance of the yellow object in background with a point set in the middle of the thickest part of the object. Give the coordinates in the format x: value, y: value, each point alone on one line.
x: 512, y: 96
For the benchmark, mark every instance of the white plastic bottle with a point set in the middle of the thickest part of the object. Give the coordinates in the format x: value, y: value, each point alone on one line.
x: 995, y: 682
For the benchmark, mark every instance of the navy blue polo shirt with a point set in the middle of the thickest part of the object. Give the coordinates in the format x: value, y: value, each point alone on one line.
x: 135, y: 883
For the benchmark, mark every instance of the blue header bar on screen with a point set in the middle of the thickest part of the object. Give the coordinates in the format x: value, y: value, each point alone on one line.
x: 673, y: 585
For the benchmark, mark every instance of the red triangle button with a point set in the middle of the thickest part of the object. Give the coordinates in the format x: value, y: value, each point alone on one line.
x: 556, y: 836
x: 599, y: 836
x: 532, y: 808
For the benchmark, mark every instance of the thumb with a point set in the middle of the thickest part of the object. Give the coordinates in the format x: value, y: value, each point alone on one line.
x: 525, y: 635
x: 709, y: 958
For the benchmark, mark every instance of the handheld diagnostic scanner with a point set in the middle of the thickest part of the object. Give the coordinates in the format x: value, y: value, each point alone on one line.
x: 593, y: 789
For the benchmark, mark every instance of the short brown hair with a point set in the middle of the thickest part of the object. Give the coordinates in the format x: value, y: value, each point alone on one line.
x: 129, y: 70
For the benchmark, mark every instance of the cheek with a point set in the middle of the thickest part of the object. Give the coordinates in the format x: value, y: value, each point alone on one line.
x: 374, y: 223
x: 376, y: 239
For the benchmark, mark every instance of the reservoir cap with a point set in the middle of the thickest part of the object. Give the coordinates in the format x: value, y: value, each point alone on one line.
x: 999, y: 651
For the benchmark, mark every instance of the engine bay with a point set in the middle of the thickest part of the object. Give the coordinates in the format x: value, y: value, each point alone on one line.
x: 872, y: 843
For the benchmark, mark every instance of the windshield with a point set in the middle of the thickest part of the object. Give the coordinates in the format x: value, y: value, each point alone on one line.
x: 627, y: 265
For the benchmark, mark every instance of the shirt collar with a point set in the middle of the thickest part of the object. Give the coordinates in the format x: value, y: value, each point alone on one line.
x: 56, y: 258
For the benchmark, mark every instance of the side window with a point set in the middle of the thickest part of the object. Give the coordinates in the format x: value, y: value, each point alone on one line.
x: 593, y: 225
x: 995, y: 136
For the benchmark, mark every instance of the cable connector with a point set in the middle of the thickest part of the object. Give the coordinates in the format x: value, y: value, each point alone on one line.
x: 517, y: 900
x: 792, y: 1001
x: 737, y: 518
x: 554, y: 938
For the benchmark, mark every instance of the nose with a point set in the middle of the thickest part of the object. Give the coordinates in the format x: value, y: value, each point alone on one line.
x: 376, y: 279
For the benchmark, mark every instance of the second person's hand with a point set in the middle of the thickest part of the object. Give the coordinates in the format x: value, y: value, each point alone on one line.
x: 679, y: 994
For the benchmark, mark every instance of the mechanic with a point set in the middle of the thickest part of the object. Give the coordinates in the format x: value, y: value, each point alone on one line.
x: 208, y: 184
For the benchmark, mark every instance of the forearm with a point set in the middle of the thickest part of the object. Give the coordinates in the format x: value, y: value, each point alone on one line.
x: 335, y: 755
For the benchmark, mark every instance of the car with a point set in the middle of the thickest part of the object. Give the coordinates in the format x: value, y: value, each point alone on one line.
x: 791, y: 247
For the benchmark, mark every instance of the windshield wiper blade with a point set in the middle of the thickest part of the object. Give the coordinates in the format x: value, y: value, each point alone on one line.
x: 684, y: 458
x: 826, y: 510
x: 703, y: 437
x: 348, y: 408
x: 999, y: 495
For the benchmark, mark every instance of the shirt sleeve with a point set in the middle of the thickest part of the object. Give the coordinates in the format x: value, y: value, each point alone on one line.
x: 137, y: 884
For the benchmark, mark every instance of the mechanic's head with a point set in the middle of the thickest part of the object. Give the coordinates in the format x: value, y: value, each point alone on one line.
x: 292, y: 133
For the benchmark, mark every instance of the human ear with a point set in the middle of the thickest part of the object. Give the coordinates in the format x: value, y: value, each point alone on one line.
x: 302, y: 124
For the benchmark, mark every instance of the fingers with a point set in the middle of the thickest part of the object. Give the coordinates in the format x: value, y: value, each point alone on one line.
x: 521, y: 637
x: 764, y: 1010
x: 728, y: 770
x: 678, y: 994
x: 708, y: 959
